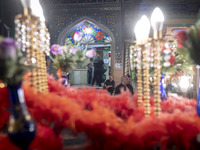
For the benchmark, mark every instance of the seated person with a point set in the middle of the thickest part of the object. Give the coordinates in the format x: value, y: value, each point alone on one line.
x: 123, y: 85
x: 109, y: 85
x: 129, y: 85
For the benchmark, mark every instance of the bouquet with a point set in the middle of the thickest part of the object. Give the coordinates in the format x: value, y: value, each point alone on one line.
x: 188, y: 41
x: 13, y: 63
x: 71, y: 56
x: 173, y: 60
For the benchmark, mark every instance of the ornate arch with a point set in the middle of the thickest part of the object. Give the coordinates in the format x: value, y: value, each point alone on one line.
x: 62, y: 36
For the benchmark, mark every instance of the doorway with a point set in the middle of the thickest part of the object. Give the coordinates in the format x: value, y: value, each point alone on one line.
x: 96, y: 36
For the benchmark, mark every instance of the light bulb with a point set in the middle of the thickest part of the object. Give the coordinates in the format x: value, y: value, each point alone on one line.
x: 145, y: 28
x: 157, y: 19
x: 37, y: 9
x: 142, y: 29
x: 138, y: 31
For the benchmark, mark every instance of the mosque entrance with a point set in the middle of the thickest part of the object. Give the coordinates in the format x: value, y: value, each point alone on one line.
x: 93, y: 37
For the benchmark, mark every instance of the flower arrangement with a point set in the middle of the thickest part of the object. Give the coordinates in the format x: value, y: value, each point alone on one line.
x: 13, y: 63
x: 71, y: 56
x: 188, y: 41
x: 174, y: 60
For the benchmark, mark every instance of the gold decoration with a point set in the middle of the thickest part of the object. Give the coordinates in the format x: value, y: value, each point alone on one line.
x: 34, y: 36
x: 145, y: 55
x: 157, y: 42
x: 145, y: 47
x: 139, y: 73
x: 143, y: 76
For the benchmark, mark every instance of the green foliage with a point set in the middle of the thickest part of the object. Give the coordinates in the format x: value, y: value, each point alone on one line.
x: 181, y: 63
x: 13, y: 63
x: 190, y: 43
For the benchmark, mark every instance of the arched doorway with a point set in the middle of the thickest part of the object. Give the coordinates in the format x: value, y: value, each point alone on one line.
x: 94, y: 35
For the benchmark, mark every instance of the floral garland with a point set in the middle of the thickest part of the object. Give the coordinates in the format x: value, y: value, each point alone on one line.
x: 174, y: 60
x: 188, y: 42
x: 110, y: 122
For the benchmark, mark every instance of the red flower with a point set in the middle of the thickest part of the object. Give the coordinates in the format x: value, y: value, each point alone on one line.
x: 172, y: 59
x: 181, y: 37
x: 163, y: 48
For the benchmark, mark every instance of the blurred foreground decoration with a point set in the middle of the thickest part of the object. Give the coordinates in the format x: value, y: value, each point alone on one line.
x: 110, y: 122
x: 188, y: 42
x: 32, y: 32
x: 22, y: 128
x: 13, y: 66
x: 32, y: 42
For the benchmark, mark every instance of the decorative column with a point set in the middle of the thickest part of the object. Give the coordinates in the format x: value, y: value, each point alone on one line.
x: 139, y: 74
x: 157, y: 20
x: 145, y: 55
x: 34, y: 36
x: 143, y: 49
x: 142, y: 32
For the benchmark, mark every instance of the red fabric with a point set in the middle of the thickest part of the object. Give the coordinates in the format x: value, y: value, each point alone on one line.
x: 111, y: 122
x: 172, y: 60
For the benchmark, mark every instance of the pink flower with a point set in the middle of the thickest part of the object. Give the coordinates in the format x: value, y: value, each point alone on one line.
x: 73, y: 50
x: 8, y: 49
x: 90, y: 53
x: 77, y: 36
x: 56, y: 49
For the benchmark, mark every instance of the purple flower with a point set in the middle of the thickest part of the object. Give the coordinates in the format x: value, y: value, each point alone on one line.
x: 90, y: 53
x: 7, y: 49
x: 77, y: 36
x: 73, y: 50
x: 56, y: 49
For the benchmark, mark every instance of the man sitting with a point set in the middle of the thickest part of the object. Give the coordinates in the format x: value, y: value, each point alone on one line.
x: 110, y: 85
x: 123, y: 85
x: 129, y: 85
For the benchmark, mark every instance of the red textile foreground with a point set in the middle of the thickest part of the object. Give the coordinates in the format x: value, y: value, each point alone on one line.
x: 110, y: 122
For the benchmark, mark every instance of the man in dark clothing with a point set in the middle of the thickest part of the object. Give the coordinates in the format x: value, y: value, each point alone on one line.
x: 98, y: 71
x: 109, y: 85
x: 130, y: 87
x: 123, y: 85
x: 90, y: 71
